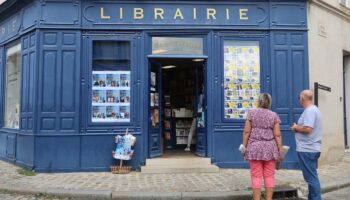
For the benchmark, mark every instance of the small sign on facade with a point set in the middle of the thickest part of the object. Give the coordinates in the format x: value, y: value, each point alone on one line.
x: 322, y: 31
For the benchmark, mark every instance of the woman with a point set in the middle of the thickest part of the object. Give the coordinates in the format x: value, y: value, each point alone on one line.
x: 262, y: 139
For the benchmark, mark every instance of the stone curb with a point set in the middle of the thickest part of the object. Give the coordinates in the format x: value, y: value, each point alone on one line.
x: 108, y: 194
x: 22, y: 190
x: 327, y: 187
x: 241, y: 195
x: 80, y: 194
x: 336, y: 185
x: 146, y: 195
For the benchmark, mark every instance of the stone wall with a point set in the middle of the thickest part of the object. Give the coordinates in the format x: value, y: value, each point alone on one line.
x: 329, y: 31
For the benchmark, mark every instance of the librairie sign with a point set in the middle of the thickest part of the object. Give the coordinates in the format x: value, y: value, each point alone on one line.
x: 176, y: 13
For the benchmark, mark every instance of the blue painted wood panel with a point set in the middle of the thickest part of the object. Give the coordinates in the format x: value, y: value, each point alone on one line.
x: 22, y: 19
x: 28, y: 80
x: 225, y: 151
x: 25, y: 150
x: 96, y: 152
x: 11, y: 146
x: 8, y: 145
x: 57, y: 153
x: 51, y: 12
x: 59, y: 82
x: 286, y: 14
x: 289, y: 67
x: 3, y: 138
x: 29, y: 16
x: 2, y: 76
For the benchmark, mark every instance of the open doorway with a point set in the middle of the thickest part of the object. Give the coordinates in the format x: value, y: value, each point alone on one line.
x: 177, y: 105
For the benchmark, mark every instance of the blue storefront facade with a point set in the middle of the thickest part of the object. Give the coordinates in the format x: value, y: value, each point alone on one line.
x: 60, y: 41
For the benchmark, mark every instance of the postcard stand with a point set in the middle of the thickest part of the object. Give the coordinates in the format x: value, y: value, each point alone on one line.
x: 123, y: 152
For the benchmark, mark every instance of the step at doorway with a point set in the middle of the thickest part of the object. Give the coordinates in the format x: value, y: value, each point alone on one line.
x: 179, y: 163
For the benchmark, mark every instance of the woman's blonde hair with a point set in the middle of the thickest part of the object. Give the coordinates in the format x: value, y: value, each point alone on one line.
x: 264, y: 101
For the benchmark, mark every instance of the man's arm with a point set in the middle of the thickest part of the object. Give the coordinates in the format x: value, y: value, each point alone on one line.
x: 301, y: 129
x: 308, y: 123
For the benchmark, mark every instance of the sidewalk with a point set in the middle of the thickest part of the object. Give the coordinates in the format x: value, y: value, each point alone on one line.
x: 227, y: 184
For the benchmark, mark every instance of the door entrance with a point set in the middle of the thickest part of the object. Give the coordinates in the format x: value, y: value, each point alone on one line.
x: 177, y: 108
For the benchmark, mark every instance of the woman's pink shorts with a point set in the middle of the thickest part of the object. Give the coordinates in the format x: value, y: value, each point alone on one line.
x: 260, y: 169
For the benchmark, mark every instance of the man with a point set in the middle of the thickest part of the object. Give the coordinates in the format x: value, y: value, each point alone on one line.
x: 308, y: 135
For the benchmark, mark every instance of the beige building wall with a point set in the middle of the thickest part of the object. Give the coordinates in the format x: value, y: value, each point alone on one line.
x: 329, y: 36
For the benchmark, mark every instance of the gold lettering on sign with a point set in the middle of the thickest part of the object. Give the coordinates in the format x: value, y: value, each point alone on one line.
x: 120, y: 13
x: 178, y: 13
x: 227, y: 13
x: 102, y: 14
x: 194, y: 13
x: 211, y: 12
x: 138, y: 13
x: 243, y: 14
x: 158, y: 12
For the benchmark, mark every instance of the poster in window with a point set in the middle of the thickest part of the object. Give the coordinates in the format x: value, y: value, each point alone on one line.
x: 111, y: 96
x: 153, y: 79
x: 99, y: 113
x: 241, y: 77
x: 156, y: 116
x: 156, y: 99
x: 113, y: 80
x: 124, y: 96
x: 152, y: 99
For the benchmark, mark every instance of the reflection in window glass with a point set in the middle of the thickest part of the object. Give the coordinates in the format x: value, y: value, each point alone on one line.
x: 12, y: 86
x: 242, y: 77
x: 111, y: 81
x: 177, y: 45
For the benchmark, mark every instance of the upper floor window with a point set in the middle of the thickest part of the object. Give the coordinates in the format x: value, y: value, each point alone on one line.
x: 12, y: 86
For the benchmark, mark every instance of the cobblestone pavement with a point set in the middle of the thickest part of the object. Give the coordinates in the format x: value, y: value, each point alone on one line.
x: 225, y: 180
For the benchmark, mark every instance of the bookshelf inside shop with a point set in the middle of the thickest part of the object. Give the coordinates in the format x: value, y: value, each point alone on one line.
x: 179, y: 97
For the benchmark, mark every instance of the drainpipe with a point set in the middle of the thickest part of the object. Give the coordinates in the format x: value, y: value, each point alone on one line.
x: 344, y: 104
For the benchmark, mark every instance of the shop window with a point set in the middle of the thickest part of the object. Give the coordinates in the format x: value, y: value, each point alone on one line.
x: 177, y: 45
x: 12, y: 86
x: 111, y: 81
x: 241, y: 77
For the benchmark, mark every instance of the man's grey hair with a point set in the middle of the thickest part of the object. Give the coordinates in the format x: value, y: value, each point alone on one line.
x: 307, y: 95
